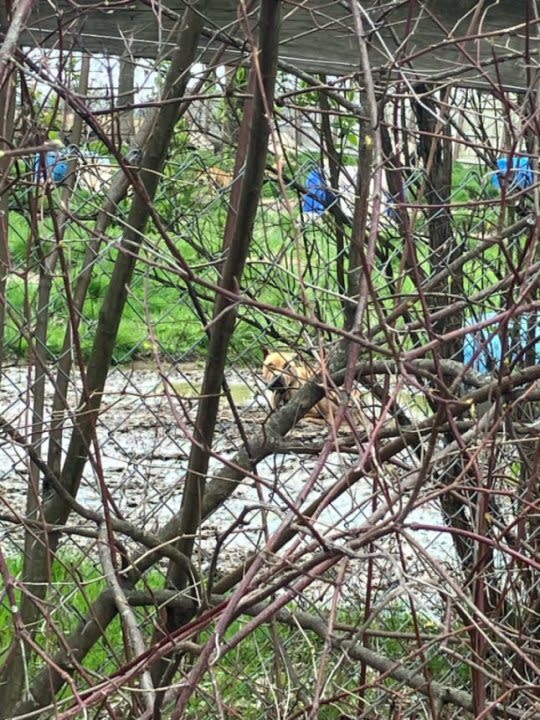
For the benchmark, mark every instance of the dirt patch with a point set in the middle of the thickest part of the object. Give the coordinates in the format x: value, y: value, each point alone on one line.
x: 144, y: 438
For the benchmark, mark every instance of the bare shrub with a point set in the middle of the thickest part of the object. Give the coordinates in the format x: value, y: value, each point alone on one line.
x: 182, y: 535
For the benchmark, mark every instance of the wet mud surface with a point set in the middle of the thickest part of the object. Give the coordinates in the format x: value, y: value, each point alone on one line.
x: 144, y: 437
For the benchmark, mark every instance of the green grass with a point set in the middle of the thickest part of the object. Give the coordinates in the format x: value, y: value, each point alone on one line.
x: 158, y: 297
x: 75, y: 584
x: 252, y: 677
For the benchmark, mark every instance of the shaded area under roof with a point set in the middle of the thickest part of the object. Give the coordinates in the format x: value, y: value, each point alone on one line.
x: 412, y: 38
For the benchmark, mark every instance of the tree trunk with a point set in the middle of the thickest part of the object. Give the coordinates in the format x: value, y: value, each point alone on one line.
x: 126, y: 96
x: 249, y: 173
x: 55, y: 510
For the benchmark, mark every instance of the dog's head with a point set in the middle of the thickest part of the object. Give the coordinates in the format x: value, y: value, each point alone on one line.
x: 278, y: 374
x: 276, y: 368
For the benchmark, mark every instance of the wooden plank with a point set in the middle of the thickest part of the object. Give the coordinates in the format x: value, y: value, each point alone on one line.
x: 412, y: 40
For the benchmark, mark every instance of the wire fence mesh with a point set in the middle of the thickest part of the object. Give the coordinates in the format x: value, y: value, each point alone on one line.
x: 366, y: 540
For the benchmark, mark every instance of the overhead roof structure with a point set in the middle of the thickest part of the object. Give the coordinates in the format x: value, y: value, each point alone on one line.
x: 468, y: 42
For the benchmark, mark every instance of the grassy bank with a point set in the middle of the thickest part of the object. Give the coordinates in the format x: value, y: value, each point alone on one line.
x: 290, y: 267
x: 275, y: 668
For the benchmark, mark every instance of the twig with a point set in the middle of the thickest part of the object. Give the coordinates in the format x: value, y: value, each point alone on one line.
x: 127, y: 615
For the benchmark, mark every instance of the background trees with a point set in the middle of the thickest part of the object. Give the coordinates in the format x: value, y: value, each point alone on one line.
x: 173, y: 548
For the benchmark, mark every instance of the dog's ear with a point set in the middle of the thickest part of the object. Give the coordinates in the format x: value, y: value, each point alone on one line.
x: 265, y: 351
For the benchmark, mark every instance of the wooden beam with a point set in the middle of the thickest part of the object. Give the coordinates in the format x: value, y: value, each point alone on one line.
x: 425, y: 39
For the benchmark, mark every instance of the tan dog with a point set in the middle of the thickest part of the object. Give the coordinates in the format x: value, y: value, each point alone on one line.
x: 284, y: 373
x: 220, y: 179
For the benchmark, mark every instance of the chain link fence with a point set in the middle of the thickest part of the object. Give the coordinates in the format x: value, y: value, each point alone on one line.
x: 376, y: 557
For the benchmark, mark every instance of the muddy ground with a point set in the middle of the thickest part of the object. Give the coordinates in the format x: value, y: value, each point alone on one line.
x: 143, y: 435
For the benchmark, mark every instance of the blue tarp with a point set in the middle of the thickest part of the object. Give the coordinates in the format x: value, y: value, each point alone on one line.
x: 319, y: 196
x: 518, y: 177
x: 53, y: 165
x: 483, y: 350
